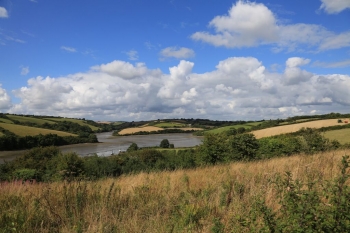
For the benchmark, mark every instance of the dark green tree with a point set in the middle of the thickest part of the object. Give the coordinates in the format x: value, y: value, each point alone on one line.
x: 243, y: 147
x: 164, y: 143
x: 132, y: 147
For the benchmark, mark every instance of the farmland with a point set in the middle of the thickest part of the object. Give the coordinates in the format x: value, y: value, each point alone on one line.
x: 341, y: 135
x: 21, y: 130
x: 29, y: 119
x: 78, y: 121
x: 226, y: 128
x: 294, y: 127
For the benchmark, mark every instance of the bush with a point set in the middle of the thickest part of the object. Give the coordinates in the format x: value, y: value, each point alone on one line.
x: 243, y: 147
x: 132, y: 147
x: 164, y: 143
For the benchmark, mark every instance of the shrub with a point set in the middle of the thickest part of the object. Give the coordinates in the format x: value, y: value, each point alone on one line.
x: 164, y: 143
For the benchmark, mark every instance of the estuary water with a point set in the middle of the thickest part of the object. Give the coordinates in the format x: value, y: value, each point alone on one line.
x: 109, y: 144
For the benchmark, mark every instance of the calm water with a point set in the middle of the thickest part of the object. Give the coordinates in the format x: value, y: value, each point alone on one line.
x: 110, y: 144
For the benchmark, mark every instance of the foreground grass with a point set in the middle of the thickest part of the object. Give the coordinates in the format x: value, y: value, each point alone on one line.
x: 210, y: 199
x: 22, y: 130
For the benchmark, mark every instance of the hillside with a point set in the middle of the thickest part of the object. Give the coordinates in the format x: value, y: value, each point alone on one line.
x: 295, y: 127
x: 22, y: 130
x: 236, y: 197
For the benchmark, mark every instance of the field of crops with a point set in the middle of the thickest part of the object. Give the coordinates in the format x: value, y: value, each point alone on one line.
x: 341, y: 135
x: 294, y: 127
x: 29, y: 119
x: 226, y: 128
x: 21, y: 130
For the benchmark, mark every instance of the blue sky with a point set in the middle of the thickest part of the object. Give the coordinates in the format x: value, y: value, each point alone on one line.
x: 140, y: 60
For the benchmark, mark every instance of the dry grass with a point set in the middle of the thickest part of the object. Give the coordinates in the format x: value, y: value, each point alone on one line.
x: 139, y: 129
x: 179, y: 201
x: 294, y: 127
x: 21, y: 130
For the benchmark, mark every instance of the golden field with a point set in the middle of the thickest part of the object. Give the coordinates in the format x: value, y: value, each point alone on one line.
x: 180, y: 201
x: 149, y: 129
x: 294, y: 127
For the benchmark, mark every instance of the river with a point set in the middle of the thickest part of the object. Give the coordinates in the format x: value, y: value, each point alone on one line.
x: 110, y: 144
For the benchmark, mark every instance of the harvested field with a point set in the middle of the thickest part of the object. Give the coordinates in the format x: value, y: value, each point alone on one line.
x: 21, y: 130
x: 139, y: 129
x: 294, y: 127
x: 149, y: 129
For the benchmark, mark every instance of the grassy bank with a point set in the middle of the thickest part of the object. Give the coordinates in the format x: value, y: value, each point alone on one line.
x: 238, y: 197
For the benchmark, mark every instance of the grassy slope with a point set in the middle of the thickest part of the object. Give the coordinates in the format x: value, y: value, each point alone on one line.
x: 342, y: 135
x: 170, y: 125
x: 179, y: 201
x: 80, y: 122
x: 2, y: 120
x: 21, y: 130
x: 30, y: 119
x: 226, y: 128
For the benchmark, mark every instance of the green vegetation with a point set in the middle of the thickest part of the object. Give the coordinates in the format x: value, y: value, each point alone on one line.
x: 170, y: 125
x: 227, y: 128
x: 341, y: 135
x: 21, y: 130
x: 78, y: 121
x: 30, y: 119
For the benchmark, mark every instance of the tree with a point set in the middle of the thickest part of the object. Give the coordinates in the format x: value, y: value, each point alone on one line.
x: 132, y: 147
x: 164, y: 143
x: 214, y: 149
x: 243, y: 147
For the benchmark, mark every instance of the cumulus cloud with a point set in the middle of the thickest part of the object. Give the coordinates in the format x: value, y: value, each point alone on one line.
x: 251, y: 24
x: 24, y: 70
x: 3, y: 12
x: 334, y: 6
x: 5, y: 100
x: 68, y: 49
x: 176, y: 52
x: 237, y: 88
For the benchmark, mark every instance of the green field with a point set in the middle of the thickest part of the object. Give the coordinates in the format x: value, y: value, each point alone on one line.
x: 170, y: 125
x: 341, y: 135
x: 34, y: 120
x: 6, y: 121
x: 80, y: 122
x: 226, y: 128
x: 21, y: 130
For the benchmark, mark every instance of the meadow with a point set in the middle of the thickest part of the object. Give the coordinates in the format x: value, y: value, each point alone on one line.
x: 287, y: 194
x: 341, y: 135
x: 227, y: 128
x: 22, y: 130
x: 34, y: 120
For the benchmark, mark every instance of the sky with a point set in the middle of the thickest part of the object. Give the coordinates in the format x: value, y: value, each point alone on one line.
x: 155, y: 59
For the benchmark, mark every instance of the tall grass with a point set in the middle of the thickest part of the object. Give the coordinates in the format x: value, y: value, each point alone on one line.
x: 210, y: 199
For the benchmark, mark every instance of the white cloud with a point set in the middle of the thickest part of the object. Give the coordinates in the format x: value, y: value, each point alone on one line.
x: 3, y: 12
x: 132, y: 55
x: 179, y: 53
x: 238, y: 88
x: 68, y: 49
x: 5, y: 100
x: 24, y: 70
x: 334, y: 6
x: 251, y: 24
